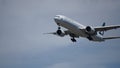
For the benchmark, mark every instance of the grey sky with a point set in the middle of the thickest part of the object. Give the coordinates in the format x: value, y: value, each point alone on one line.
x: 23, y: 45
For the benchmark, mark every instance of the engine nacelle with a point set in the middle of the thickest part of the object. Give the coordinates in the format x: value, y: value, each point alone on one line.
x: 60, y: 33
x: 90, y: 30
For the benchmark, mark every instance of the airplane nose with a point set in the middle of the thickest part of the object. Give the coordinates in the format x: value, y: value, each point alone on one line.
x: 57, y: 17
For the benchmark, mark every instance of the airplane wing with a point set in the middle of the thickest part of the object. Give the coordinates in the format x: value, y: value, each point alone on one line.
x: 55, y: 33
x: 66, y: 32
x: 51, y: 33
x: 111, y: 38
x: 105, y: 28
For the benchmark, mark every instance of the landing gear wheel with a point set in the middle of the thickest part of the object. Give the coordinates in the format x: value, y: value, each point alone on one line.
x: 73, y: 39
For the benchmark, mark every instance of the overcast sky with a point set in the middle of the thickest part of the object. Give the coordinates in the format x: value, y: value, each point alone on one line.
x: 23, y: 45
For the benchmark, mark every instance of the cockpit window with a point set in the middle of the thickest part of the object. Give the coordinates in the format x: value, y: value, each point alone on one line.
x: 57, y: 16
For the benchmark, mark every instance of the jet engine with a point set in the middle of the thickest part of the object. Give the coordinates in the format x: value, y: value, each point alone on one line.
x: 90, y: 30
x: 60, y: 33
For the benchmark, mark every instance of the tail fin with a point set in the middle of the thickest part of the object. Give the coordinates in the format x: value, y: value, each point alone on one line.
x: 102, y: 32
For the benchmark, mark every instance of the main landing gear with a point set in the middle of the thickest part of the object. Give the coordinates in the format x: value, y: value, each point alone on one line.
x: 73, y: 39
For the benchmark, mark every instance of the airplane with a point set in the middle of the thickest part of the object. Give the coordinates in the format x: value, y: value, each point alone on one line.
x: 76, y: 30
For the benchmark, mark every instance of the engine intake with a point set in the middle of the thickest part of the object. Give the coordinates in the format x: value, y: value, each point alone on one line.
x: 60, y: 33
x: 90, y: 30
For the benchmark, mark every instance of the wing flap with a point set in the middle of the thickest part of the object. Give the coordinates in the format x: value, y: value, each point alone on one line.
x: 105, y: 28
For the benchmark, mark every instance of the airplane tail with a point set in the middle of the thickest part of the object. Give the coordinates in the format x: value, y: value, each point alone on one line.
x: 102, y: 32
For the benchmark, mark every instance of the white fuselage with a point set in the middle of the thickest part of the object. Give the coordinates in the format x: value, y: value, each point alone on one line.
x: 74, y: 27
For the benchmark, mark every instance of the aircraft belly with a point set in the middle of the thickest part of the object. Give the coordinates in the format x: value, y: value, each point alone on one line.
x: 97, y: 38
